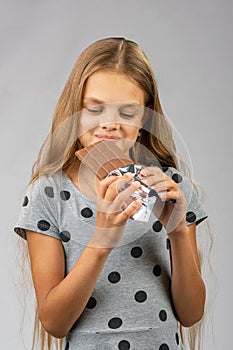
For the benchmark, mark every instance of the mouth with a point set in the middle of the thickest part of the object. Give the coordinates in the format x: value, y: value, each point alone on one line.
x: 107, y: 138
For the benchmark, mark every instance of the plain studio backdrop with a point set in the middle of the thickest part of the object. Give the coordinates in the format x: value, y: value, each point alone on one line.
x: 190, y: 46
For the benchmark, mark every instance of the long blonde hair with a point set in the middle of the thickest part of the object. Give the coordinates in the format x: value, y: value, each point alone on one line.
x: 58, y: 150
x: 114, y: 54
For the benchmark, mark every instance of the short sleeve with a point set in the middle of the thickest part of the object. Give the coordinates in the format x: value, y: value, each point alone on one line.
x: 196, y: 212
x: 37, y: 211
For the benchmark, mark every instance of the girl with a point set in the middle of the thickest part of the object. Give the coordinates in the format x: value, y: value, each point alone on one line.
x: 103, y: 280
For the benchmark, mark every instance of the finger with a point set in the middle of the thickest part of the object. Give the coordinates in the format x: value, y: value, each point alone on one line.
x: 149, y: 171
x: 124, y: 195
x: 154, y: 178
x: 167, y: 185
x: 161, y: 186
x: 104, y: 184
x: 117, y: 186
x: 131, y: 209
x: 167, y: 195
x: 114, y: 204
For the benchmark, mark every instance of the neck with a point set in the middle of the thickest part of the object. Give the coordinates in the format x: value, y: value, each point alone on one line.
x: 85, y: 180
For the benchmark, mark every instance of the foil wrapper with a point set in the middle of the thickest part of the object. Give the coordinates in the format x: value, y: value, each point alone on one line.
x: 147, y: 194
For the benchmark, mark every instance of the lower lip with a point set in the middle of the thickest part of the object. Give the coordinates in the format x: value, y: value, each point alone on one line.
x: 107, y: 139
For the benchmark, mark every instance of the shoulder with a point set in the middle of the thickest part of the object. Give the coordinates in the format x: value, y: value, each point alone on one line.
x: 48, y: 186
x: 39, y: 207
x: 177, y: 175
x: 185, y: 182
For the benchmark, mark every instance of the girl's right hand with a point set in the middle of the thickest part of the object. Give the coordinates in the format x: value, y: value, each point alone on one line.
x: 114, y: 207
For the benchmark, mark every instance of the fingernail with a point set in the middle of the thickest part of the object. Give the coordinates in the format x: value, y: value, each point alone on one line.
x: 136, y: 184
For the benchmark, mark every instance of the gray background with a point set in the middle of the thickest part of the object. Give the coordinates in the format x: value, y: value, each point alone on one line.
x: 190, y: 46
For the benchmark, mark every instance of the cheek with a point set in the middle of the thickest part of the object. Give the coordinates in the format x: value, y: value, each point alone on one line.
x: 85, y: 125
x: 132, y: 132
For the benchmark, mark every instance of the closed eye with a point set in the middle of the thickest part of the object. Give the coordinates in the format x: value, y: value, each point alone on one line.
x: 94, y: 111
x: 130, y: 111
x: 127, y: 115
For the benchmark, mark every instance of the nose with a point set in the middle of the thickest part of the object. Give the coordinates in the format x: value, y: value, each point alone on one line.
x: 109, y: 126
x: 109, y: 121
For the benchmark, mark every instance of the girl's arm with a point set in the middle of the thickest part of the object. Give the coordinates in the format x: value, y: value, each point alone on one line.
x: 61, y: 299
x: 187, y: 286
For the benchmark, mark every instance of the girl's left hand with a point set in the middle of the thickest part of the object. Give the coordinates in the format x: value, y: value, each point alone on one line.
x: 171, y: 215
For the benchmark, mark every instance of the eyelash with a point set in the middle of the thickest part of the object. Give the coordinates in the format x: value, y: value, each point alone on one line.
x: 94, y: 111
x: 99, y: 111
x: 127, y: 116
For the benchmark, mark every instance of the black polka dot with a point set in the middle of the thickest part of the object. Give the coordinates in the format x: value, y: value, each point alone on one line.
x: 164, y: 347
x: 65, y: 195
x: 91, y: 303
x: 177, y: 178
x: 163, y: 315
x: 114, y: 323
x: 177, y: 339
x: 86, y: 212
x: 157, y: 226
x: 25, y: 201
x: 124, y: 345
x: 136, y: 252
x: 114, y: 277
x: 65, y: 236
x: 43, y: 225
x: 49, y: 191
x: 157, y: 270
x: 190, y: 216
x: 67, y: 346
x: 168, y: 244
x: 140, y: 296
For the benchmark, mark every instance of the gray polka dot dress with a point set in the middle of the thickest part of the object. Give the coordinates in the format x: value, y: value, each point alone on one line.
x: 131, y: 306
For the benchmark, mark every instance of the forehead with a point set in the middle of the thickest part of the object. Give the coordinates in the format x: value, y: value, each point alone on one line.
x: 106, y: 87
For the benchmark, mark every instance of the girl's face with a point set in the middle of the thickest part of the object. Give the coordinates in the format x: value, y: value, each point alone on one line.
x: 112, y: 110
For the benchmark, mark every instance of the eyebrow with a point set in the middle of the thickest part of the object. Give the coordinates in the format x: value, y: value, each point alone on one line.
x: 97, y: 101
x: 93, y: 100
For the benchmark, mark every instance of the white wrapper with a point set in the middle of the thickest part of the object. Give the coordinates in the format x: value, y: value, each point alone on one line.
x: 145, y: 193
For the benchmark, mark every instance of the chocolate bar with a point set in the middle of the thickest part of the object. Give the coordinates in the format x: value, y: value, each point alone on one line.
x: 103, y: 157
